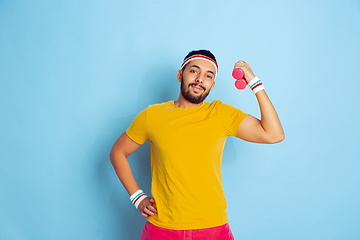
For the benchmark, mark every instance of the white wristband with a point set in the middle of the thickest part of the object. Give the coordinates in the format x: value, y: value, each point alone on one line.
x: 256, y: 85
x: 135, y: 194
x: 254, y: 80
x: 139, y: 201
x: 137, y: 197
x: 261, y: 87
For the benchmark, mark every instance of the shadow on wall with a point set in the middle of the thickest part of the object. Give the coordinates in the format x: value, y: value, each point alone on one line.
x: 116, y: 217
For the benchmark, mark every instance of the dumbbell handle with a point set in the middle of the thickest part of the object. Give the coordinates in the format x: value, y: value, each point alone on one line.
x: 240, y: 82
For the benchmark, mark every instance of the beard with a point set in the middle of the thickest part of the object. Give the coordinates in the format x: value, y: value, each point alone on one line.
x: 191, y: 97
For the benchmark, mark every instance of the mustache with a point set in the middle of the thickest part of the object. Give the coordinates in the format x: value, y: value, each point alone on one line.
x: 197, y: 85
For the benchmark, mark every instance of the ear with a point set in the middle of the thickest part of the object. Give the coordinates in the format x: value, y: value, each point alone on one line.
x: 179, y: 74
x: 213, y: 85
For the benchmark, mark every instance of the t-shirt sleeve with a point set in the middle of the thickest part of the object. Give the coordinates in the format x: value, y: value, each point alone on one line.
x: 232, y: 117
x: 137, y: 130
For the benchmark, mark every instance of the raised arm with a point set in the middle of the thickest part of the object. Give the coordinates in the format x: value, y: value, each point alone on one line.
x: 121, y: 150
x: 266, y: 130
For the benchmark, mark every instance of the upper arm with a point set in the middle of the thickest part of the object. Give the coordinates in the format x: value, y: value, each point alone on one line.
x: 124, y: 145
x: 250, y: 130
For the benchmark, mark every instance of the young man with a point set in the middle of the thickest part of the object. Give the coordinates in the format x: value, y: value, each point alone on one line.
x: 187, y: 140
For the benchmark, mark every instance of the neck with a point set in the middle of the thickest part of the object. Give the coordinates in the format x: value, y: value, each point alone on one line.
x: 183, y: 103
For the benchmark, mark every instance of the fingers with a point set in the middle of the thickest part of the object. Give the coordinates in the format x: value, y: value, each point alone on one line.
x: 246, y: 68
x: 240, y: 64
x: 146, y: 207
x: 148, y: 211
x: 152, y: 209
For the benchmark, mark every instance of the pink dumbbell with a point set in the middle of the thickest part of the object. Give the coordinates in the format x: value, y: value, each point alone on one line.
x: 240, y: 82
x: 239, y: 74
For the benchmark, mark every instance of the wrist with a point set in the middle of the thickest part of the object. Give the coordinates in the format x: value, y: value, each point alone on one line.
x: 256, y: 85
x: 252, y: 76
x: 137, y: 197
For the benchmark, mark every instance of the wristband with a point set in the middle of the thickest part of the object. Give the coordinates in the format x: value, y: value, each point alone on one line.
x: 137, y: 197
x: 256, y: 85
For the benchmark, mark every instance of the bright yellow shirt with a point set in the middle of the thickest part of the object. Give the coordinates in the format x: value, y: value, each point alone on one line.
x: 186, y: 153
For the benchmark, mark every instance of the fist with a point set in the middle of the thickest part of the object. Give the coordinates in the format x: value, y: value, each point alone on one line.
x: 146, y: 207
x: 249, y: 75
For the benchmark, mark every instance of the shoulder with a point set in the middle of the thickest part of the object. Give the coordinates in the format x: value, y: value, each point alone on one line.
x: 151, y: 109
x: 219, y: 105
x: 159, y: 107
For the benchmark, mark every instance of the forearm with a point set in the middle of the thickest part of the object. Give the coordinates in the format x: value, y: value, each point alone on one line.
x: 123, y: 171
x: 268, y: 129
x: 269, y: 119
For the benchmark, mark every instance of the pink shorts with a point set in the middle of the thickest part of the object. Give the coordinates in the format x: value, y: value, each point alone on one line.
x: 152, y: 232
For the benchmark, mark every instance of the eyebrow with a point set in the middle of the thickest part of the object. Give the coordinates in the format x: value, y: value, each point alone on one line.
x: 196, y: 66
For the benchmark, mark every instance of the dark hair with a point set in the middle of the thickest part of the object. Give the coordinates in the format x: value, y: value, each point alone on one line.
x: 203, y: 52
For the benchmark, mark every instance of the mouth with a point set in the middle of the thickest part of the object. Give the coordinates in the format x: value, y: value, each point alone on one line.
x: 197, y: 87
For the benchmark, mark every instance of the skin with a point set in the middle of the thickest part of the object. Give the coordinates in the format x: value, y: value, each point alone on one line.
x: 201, y: 73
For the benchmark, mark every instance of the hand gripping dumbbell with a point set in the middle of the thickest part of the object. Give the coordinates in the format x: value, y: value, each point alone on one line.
x: 240, y: 82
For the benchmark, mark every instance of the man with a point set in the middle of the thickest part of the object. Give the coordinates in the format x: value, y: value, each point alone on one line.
x: 187, y: 140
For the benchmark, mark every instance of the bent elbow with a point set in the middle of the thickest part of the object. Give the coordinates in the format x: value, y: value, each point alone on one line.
x: 281, y: 138
x: 277, y: 138
x: 111, y: 156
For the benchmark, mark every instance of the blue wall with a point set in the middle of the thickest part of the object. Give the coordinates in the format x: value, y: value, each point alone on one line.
x: 73, y: 75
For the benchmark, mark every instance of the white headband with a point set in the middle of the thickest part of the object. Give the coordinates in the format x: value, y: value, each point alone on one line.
x: 200, y: 57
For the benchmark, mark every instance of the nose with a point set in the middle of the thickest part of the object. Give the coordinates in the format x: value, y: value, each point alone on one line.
x: 199, y: 78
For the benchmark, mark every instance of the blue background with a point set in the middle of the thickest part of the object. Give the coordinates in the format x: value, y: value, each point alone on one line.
x: 73, y: 75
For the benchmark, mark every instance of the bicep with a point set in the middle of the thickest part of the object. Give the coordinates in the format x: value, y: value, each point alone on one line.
x: 124, y: 145
x: 250, y: 130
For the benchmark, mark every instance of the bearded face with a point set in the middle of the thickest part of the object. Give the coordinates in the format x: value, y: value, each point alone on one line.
x: 185, y: 91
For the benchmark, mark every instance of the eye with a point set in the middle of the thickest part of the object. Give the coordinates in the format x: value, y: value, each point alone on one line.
x: 209, y: 76
x: 192, y: 71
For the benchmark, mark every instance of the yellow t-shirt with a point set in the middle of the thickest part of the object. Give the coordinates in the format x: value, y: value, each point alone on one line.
x: 186, y: 152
